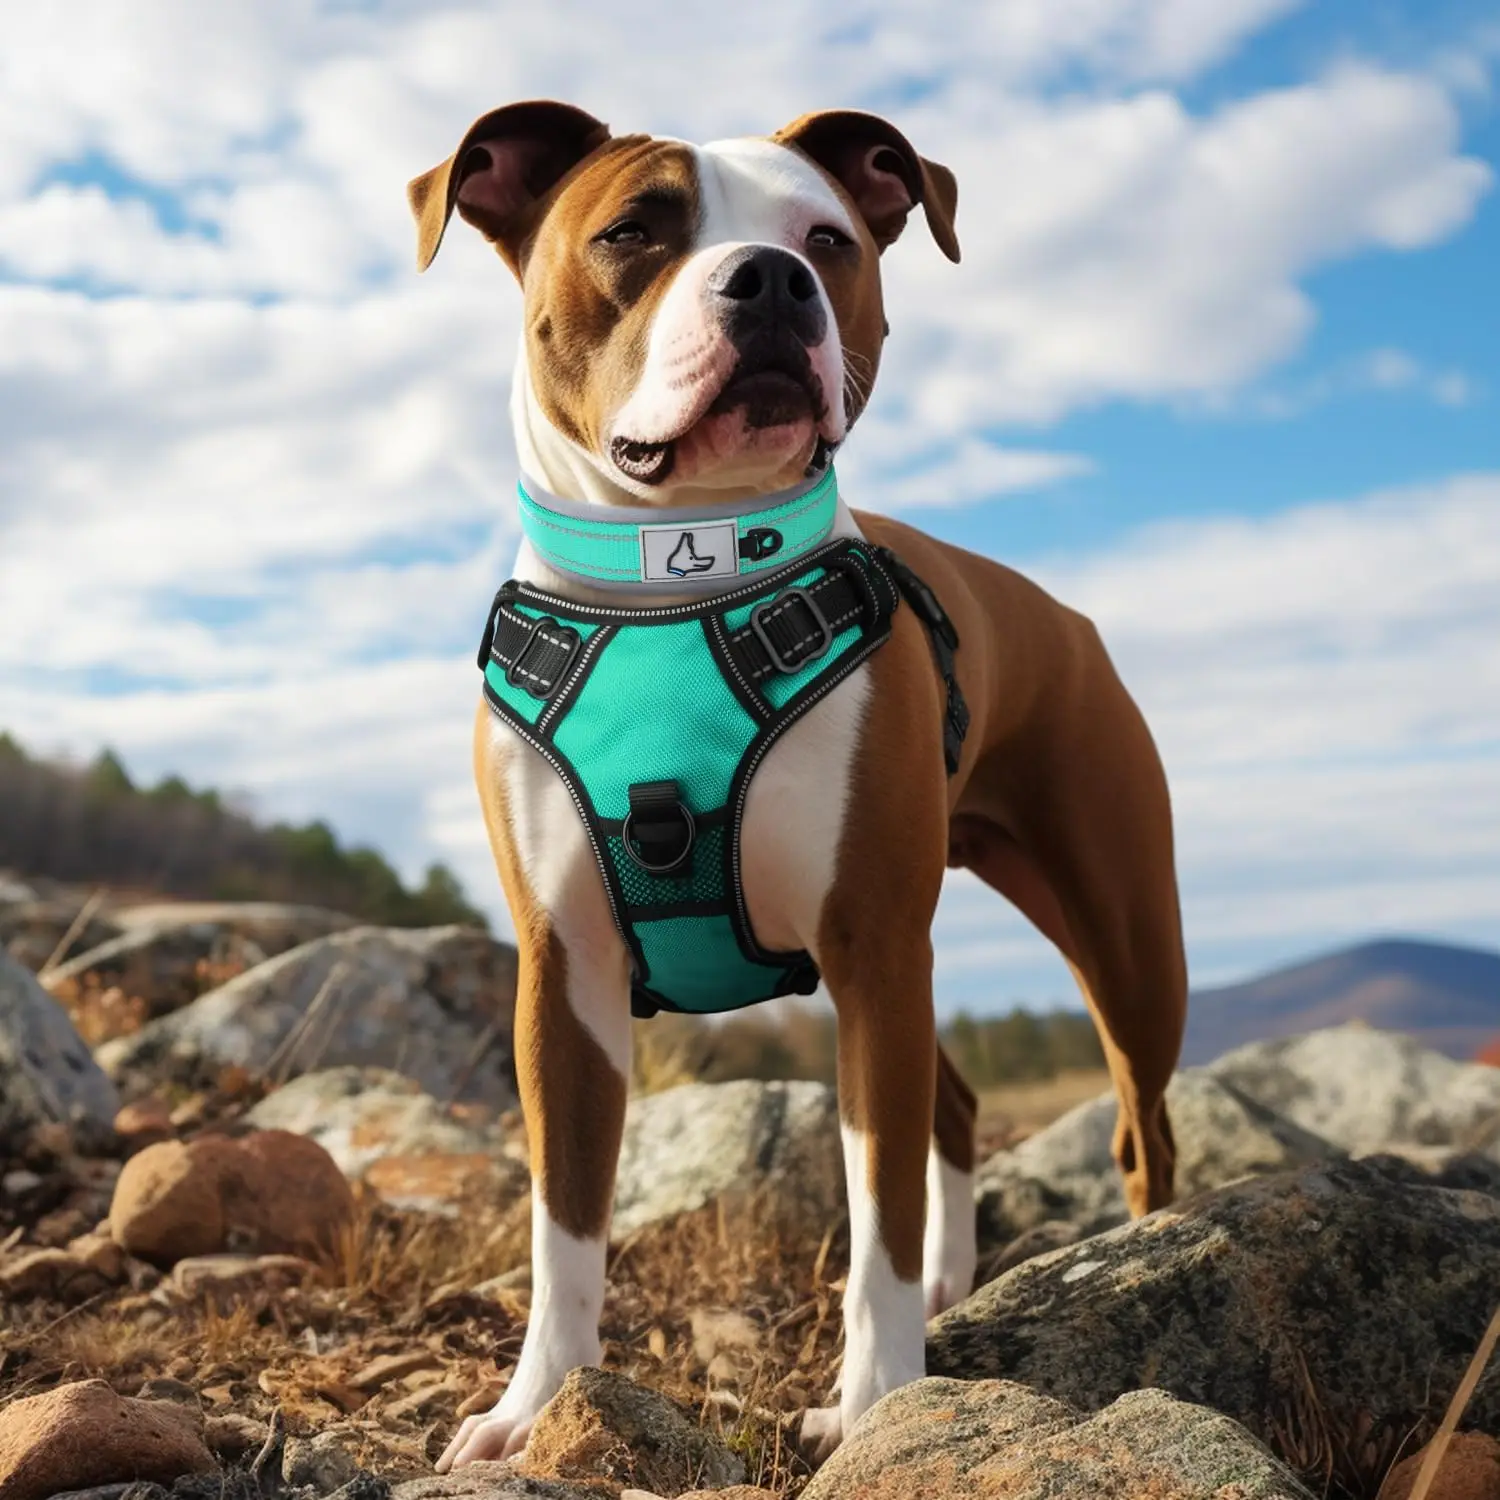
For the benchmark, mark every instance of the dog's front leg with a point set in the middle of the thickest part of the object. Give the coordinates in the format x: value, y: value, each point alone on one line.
x: 573, y: 1091
x: 887, y: 1057
x: 572, y: 1047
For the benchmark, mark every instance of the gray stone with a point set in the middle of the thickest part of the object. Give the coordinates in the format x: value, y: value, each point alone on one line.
x: 38, y: 915
x: 1066, y: 1172
x: 435, y: 1004
x: 359, y: 1115
x: 319, y: 1461
x: 161, y: 955
x: 493, y: 1481
x: 742, y: 1142
x: 1367, y: 1090
x: 46, y: 1072
x: 959, y: 1440
x: 1341, y: 1284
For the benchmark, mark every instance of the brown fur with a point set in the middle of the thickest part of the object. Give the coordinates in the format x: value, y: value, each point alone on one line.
x: 572, y: 1095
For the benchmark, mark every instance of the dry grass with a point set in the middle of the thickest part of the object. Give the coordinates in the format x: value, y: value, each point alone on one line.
x: 724, y: 1313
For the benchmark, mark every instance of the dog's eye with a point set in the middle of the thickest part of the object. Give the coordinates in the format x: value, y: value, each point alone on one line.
x: 826, y: 237
x: 625, y: 232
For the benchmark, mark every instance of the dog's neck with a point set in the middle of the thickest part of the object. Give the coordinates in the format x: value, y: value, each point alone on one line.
x: 570, y: 473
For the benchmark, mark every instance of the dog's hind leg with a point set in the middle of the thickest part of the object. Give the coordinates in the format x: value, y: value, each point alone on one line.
x: 572, y: 1048
x: 1084, y: 851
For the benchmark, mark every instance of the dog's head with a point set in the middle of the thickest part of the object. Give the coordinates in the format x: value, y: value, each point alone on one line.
x: 696, y: 317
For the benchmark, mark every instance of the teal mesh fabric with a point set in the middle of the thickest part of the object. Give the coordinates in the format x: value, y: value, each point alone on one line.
x: 655, y: 706
x: 703, y: 880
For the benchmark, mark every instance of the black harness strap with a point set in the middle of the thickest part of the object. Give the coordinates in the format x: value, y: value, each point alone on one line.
x: 536, y: 651
x: 944, y: 638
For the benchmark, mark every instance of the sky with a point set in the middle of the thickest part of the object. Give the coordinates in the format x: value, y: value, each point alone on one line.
x: 1220, y: 367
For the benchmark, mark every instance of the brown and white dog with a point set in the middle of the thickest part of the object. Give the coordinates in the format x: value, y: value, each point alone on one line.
x: 633, y: 388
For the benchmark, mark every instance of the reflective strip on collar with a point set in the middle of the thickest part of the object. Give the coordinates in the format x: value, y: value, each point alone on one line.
x: 662, y: 548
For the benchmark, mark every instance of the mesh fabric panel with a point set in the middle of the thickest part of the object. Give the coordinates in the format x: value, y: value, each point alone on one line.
x: 703, y: 882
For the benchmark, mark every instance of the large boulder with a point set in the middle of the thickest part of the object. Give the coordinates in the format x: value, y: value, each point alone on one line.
x: 168, y: 955
x: 46, y: 1072
x: 80, y: 1435
x: 1367, y: 1090
x: 1345, y: 1286
x: 362, y: 1115
x: 435, y: 1004
x: 957, y: 1440
x: 775, y: 1144
x: 1066, y: 1172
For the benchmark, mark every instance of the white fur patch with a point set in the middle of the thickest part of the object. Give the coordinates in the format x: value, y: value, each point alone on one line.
x: 949, y: 1245
x: 884, y: 1330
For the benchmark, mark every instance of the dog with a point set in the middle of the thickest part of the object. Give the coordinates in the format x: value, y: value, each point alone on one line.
x: 702, y: 328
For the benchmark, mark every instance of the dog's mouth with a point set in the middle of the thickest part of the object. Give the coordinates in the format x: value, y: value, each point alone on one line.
x: 772, y: 383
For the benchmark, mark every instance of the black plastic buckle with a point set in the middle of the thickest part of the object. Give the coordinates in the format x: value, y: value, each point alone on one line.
x: 762, y: 632
x: 527, y: 684
x: 759, y: 543
x: 659, y: 820
x: 955, y: 725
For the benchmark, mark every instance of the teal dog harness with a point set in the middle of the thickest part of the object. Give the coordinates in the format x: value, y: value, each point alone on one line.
x: 656, y: 718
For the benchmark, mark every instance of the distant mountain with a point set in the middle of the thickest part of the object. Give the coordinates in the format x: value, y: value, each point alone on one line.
x: 1446, y: 997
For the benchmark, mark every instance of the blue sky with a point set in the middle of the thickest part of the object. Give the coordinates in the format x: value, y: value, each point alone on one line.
x: 1219, y: 367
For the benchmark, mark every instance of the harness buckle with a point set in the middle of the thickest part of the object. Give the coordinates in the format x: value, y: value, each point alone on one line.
x: 769, y: 619
x: 551, y: 634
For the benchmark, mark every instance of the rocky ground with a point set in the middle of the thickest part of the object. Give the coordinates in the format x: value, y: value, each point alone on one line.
x: 264, y: 1226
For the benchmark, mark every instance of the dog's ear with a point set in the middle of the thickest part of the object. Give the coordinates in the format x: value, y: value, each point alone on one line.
x: 507, y: 161
x: 880, y: 171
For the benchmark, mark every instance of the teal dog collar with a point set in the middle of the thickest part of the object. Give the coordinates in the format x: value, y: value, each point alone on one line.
x: 662, y: 548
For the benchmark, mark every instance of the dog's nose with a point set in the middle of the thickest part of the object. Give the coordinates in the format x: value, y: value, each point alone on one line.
x: 758, y: 286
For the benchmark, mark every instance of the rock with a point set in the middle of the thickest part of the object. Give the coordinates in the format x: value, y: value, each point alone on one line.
x: 144, y: 1123
x: 233, y: 1436
x: 224, y: 1280
x: 441, y: 1184
x: 179, y: 1392
x: 1066, y: 1172
x: 435, y: 1004
x: 494, y: 1481
x: 1366, y: 1090
x: 46, y: 1073
x: 1338, y: 1283
x: 168, y: 955
x: 36, y: 920
x: 359, y: 1115
x: 603, y: 1426
x: 742, y: 1142
x: 83, y: 1434
x: 83, y: 1269
x: 271, y: 1192
x: 320, y: 1461
x: 1470, y: 1470
x: 1050, y: 1234
x: 954, y: 1440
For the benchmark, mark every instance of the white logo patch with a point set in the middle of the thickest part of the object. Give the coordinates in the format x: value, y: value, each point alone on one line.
x: 699, y: 549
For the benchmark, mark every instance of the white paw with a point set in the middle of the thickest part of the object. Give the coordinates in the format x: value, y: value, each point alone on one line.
x: 486, y: 1435
x: 821, y: 1432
